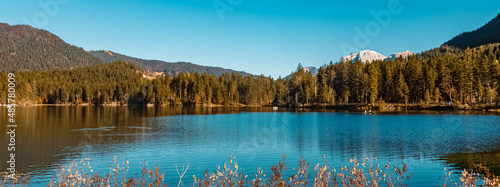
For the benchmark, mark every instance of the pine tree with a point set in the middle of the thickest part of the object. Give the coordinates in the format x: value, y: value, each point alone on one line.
x: 402, y: 89
x: 373, y: 83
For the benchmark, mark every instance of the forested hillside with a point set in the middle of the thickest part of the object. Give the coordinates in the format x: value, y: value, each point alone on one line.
x: 169, y: 68
x: 23, y: 47
x: 441, y: 75
x: 489, y: 33
x: 123, y: 82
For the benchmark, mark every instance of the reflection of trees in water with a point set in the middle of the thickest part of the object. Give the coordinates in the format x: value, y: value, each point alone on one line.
x: 469, y: 160
x: 46, y: 135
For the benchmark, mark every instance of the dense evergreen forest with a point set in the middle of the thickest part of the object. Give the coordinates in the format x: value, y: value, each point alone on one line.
x: 123, y: 82
x: 440, y: 75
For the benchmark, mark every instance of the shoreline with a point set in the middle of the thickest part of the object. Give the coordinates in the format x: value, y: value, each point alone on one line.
x: 351, y: 106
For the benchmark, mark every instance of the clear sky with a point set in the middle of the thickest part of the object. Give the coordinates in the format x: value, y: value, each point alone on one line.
x: 258, y: 36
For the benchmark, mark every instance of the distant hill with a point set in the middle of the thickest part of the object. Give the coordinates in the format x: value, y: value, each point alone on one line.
x: 170, y: 68
x: 489, y: 33
x: 23, y: 47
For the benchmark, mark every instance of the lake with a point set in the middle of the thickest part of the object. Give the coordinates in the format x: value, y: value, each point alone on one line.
x: 428, y: 141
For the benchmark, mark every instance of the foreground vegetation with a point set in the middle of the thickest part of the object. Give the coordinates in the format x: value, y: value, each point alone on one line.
x: 360, y: 173
x: 445, y: 74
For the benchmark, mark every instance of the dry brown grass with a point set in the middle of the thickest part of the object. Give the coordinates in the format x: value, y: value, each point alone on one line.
x: 18, y: 180
x: 480, y: 176
x: 81, y: 174
x: 227, y: 176
x: 359, y: 173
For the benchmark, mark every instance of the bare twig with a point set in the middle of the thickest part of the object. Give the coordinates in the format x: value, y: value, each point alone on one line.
x: 181, y: 175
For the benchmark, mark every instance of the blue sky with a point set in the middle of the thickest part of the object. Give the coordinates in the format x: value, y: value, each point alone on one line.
x: 257, y: 36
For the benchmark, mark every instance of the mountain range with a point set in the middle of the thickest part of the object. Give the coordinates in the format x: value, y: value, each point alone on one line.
x: 24, y: 48
x: 167, y: 68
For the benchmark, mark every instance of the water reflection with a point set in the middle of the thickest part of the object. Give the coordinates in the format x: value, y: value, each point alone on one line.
x: 469, y: 160
x: 205, y: 137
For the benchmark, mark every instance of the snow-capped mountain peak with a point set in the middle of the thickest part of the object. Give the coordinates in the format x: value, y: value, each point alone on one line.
x: 366, y: 55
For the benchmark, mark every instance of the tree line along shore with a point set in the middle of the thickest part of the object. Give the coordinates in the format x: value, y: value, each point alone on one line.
x: 442, y: 78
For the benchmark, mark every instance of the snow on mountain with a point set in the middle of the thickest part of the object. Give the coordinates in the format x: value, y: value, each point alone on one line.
x: 312, y: 69
x: 405, y: 54
x: 364, y: 56
x: 368, y: 55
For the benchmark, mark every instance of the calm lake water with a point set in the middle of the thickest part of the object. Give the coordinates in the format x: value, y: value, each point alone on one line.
x: 49, y: 137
